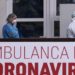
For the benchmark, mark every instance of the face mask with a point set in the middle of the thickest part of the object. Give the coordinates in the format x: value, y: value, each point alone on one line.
x: 14, y: 22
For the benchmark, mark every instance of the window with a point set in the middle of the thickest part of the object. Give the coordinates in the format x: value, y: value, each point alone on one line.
x: 30, y: 15
x: 28, y: 8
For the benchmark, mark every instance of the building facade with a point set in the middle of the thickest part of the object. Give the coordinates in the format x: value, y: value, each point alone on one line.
x: 35, y: 18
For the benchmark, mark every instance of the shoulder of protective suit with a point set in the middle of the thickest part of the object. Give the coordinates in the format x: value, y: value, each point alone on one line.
x: 72, y: 25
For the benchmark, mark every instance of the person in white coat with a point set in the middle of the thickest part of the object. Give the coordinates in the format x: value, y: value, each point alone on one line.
x: 71, y: 27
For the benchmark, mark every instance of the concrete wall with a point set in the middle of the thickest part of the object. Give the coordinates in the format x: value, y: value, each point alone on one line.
x: 65, y: 17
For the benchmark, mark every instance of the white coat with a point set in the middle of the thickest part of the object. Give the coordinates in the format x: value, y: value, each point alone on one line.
x: 71, y: 30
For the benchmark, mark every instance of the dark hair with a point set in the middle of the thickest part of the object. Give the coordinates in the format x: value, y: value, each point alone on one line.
x: 11, y: 16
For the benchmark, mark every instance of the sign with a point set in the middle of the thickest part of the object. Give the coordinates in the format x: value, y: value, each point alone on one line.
x: 37, y: 58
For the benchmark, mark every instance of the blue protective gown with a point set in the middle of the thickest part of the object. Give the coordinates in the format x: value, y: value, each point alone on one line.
x: 10, y: 31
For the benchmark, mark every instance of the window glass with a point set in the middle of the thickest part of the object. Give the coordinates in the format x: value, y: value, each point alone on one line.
x: 30, y: 29
x: 28, y: 8
x: 56, y: 28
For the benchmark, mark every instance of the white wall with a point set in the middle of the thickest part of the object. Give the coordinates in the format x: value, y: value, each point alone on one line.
x: 2, y: 15
x: 65, y: 17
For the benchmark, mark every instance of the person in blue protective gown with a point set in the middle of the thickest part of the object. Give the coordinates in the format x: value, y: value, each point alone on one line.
x: 9, y: 29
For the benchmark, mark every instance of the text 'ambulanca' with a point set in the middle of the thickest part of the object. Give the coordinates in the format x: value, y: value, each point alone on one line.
x: 41, y: 52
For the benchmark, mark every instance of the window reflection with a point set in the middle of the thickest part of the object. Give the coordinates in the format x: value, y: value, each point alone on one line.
x: 63, y: 2
x: 28, y: 8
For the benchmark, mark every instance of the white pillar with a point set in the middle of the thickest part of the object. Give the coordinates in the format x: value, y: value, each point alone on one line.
x: 45, y: 17
x: 48, y: 19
